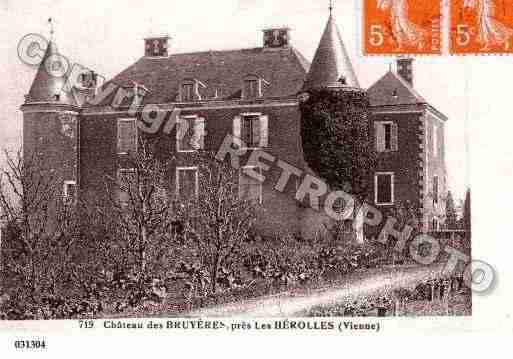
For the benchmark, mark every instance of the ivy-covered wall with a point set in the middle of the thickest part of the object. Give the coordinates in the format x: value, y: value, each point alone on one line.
x: 337, y: 139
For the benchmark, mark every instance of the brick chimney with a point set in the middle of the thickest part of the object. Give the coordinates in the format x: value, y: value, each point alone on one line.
x: 156, y: 46
x: 276, y: 37
x: 405, y: 69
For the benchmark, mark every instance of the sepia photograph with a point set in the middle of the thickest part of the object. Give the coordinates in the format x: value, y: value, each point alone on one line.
x: 304, y: 162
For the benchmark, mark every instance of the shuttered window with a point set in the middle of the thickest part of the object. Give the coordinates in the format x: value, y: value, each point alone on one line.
x: 251, y: 130
x: 386, y: 134
x: 190, y: 134
x: 127, y: 136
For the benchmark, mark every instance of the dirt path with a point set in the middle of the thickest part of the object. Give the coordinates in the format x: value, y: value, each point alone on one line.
x: 290, y: 303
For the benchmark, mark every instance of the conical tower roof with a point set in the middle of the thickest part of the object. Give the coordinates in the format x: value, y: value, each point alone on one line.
x: 50, y: 80
x: 331, y: 66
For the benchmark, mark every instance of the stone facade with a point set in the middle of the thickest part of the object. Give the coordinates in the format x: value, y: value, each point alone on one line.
x: 87, y: 152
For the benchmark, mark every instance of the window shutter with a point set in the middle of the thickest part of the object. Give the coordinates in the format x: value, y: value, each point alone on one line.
x: 237, y: 124
x: 379, y: 132
x: 255, y: 135
x: 199, y: 133
x: 394, y: 138
x: 264, y: 131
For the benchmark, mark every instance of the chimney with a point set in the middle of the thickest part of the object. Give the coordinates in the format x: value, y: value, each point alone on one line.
x: 156, y: 46
x: 277, y: 37
x: 405, y: 69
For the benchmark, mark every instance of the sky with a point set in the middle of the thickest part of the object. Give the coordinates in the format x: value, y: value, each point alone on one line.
x: 108, y: 36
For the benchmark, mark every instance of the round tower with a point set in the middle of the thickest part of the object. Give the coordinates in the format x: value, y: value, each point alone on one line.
x: 50, y: 125
x: 335, y: 125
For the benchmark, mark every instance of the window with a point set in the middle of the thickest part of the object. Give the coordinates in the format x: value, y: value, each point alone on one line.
x: 190, y: 134
x: 187, y: 92
x: 252, y: 88
x: 250, y: 188
x: 69, y: 192
x: 187, y: 182
x: 126, y: 184
x: 127, y: 135
x: 435, y: 190
x: 386, y: 136
x: 384, y: 188
x: 251, y: 130
x: 435, y: 140
x: 190, y: 90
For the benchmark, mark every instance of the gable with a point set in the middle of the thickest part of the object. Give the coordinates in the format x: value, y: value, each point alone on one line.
x: 391, y: 89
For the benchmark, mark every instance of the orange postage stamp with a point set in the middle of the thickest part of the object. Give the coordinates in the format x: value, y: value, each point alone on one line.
x: 481, y: 26
x: 402, y: 27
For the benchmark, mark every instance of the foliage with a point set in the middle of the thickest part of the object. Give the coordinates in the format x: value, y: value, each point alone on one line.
x: 137, y: 219
x: 450, y: 212
x: 337, y: 140
x: 217, y: 223
x: 41, y: 239
x: 467, y: 217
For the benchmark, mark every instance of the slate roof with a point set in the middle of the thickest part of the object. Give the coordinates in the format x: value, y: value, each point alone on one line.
x: 331, y: 61
x: 283, y: 69
x: 47, y: 82
x: 392, y: 89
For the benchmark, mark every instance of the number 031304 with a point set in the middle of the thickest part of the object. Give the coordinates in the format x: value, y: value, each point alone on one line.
x: 30, y: 344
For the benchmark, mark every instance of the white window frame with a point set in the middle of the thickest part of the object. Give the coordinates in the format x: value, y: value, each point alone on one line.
x: 259, y: 82
x: 392, y: 189
x: 241, y: 173
x: 182, y: 94
x: 187, y: 117
x: 128, y: 119
x: 251, y: 114
x: 177, y: 178
x: 65, y: 185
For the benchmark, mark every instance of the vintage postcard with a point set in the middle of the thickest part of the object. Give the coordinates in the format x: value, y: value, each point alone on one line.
x: 238, y: 167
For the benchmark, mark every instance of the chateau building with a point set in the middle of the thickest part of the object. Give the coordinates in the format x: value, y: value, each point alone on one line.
x: 83, y: 132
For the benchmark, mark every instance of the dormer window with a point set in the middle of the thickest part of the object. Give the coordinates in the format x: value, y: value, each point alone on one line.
x: 253, y: 87
x: 187, y: 92
x: 190, y: 90
x: 57, y: 97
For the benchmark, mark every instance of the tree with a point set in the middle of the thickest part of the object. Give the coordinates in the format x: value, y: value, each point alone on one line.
x: 42, y: 231
x: 138, y: 214
x: 217, y: 222
x: 450, y: 212
x: 467, y: 217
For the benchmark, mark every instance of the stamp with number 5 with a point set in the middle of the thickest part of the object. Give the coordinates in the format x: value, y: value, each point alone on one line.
x: 402, y: 27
